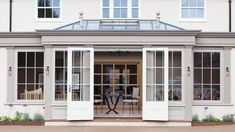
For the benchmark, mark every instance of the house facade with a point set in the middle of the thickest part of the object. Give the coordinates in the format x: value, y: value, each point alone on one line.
x: 148, y: 59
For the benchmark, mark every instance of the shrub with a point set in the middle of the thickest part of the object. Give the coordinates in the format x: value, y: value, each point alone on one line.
x: 27, y: 117
x: 6, y: 118
x: 195, y: 118
x: 228, y: 118
x: 18, y: 117
x: 211, y: 118
x: 38, y: 117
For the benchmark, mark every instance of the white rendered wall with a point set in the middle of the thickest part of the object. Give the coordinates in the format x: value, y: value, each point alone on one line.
x: 24, y: 14
x: 5, y: 108
x: 4, y: 15
x: 3, y: 81
x: 233, y: 15
x: 220, y: 110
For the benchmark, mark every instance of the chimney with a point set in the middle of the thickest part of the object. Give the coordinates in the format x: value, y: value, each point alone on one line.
x: 81, y: 19
x: 158, y: 20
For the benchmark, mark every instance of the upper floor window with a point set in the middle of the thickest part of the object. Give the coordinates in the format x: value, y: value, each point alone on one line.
x: 193, y: 9
x: 120, y: 8
x: 48, y: 8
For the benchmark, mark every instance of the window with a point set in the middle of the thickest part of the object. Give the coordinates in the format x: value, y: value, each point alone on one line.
x: 48, y: 8
x: 192, y: 9
x: 30, y: 76
x: 207, y: 70
x: 120, y: 8
x: 61, y: 75
x: 175, y: 76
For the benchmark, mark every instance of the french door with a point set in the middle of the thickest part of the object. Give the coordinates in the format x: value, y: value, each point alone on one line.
x: 80, y: 84
x: 155, y: 84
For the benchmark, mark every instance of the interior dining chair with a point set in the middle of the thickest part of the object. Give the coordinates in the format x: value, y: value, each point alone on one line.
x: 133, y: 99
x: 98, y: 101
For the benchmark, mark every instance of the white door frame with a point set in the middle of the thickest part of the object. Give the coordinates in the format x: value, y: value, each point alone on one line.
x: 80, y: 110
x: 155, y: 110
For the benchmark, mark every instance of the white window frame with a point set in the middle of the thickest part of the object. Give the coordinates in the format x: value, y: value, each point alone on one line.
x: 204, y: 19
x: 64, y: 102
x: 221, y: 78
x: 16, y: 76
x: 111, y: 10
x: 182, y: 102
x: 47, y: 19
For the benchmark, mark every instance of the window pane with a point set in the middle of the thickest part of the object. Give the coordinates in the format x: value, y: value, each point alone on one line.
x: 197, y: 59
x: 177, y: 92
x: 207, y: 76
x: 207, y: 59
x: 192, y: 13
x: 39, y: 59
x: 105, y: 3
x: 197, y: 76
x: 197, y: 92
x: 38, y: 95
x: 105, y: 12
x: 159, y: 75
x: 40, y: 3
x: 21, y: 75
x: 39, y: 75
x: 48, y: 3
x: 30, y: 92
x: 170, y: 94
x: 185, y: 3
x: 159, y: 59
x: 215, y: 92
x: 200, y: 3
x: 124, y: 3
x: 59, y: 58
x: 135, y: 3
x: 59, y: 76
x: 176, y: 59
x: 135, y: 13
x: 56, y: 3
x: 30, y: 59
x: 21, y: 59
x: 117, y: 3
x: 154, y: 93
x: 60, y: 92
x: 184, y: 13
x: 21, y: 95
x: 200, y: 13
x: 215, y: 76
x: 41, y: 13
x: 215, y: 59
x: 48, y: 13
x: 117, y: 13
x: 56, y: 12
x: 123, y: 13
x: 176, y: 75
x: 192, y: 3
x: 206, y: 92
x: 30, y: 75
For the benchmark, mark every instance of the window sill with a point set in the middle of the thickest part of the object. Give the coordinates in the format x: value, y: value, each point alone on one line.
x: 211, y: 103
x: 25, y: 103
x: 48, y: 20
x: 192, y: 20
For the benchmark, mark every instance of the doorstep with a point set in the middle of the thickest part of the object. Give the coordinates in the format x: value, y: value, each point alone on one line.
x: 117, y: 122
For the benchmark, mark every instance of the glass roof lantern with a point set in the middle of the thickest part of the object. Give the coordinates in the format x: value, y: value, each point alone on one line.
x: 126, y: 25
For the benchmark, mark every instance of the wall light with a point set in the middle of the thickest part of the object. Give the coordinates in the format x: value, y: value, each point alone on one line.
x: 227, y: 71
x: 188, y: 71
x: 47, y: 70
x: 10, y: 71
